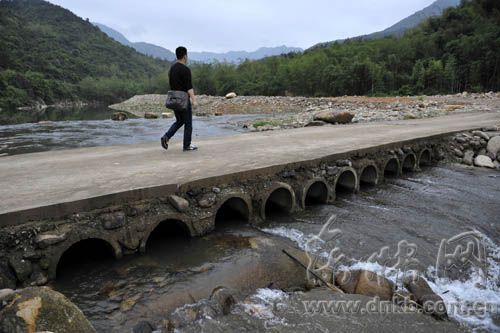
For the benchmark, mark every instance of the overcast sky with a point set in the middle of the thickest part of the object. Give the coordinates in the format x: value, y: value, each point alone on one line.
x: 224, y: 25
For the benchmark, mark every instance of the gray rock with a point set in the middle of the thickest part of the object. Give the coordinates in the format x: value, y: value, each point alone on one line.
x: 46, y: 240
x: 315, y: 123
x: 119, y: 116
x: 224, y: 298
x: 469, y: 157
x: 344, y: 163
x: 497, y: 165
x: 481, y: 134
x: 484, y: 161
x: 4, y: 293
x: 114, y: 221
x: 208, y: 200
x: 22, y: 267
x: 332, y: 171
x: 179, y: 203
x: 458, y: 152
x: 216, y: 190
x: 144, y: 327
x: 494, y: 145
x: 461, y: 140
x: 42, y: 310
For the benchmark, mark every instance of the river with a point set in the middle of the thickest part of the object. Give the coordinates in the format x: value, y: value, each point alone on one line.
x: 422, y: 209
x: 26, y: 132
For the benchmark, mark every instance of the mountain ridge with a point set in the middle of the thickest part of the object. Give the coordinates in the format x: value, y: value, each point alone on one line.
x: 437, y: 8
x: 165, y: 54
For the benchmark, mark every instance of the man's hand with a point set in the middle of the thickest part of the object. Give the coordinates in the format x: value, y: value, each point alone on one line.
x: 194, y: 104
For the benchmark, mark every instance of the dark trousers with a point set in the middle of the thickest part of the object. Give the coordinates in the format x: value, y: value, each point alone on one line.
x: 182, y: 118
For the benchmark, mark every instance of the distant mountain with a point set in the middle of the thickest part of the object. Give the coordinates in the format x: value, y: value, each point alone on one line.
x: 232, y: 56
x: 238, y: 56
x: 435, y: 9
x: 144, y: 48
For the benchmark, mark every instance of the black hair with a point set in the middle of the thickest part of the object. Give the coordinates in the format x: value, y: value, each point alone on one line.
x: 180, y: 52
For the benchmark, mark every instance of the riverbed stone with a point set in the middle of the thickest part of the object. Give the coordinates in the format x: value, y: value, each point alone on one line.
x: 150, y: 115
x: 114, y: 221
x: 469, y: 158
x: 484, y: 161
x: 208, y: 200
x: 494, y: 145
x: 45, y: 240
x: 119, y: 116
x: 224, y: 298
x: 21, y: 267
x: 458, y: 153
x: 42, y: 310
x: 334, y: 117
x: 144, y: 327
x: 179, y: 203
x: 315, y: 123
x: 371, y: 284
x: 431, y: 303
x: 231, y: 95
x: 481, y: 134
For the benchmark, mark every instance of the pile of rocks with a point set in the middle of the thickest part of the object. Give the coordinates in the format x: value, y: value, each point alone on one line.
x: 478, y: 148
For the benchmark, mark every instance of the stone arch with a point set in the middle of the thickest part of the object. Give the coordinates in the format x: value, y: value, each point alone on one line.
x: 425, y: 158
x: 112, y: 244
x: 346, y: 182
x: 409, y: 163
x: 176, y: 220
x: 315, y: 191
x: 235, y: 206
x: 369, y: 176
x: 279, y: 197
x: 392, y: 168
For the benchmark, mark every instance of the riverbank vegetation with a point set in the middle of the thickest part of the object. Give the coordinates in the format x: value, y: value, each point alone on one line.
x: 49, y: 54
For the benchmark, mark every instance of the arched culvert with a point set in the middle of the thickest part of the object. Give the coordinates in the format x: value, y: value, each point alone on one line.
x: 168, y: 232
x: 410, y: 163
x: 83, y: 253
x: 369, y: 176
x: 425, y: 158
x: 279, y: 202
x: 391, y: 168
x: 346, y: 183
x: 316, y: 193
x: 233, y: 211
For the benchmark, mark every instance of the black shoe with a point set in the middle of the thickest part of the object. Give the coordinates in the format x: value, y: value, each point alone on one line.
x: 190, y: 148
x: 164, y: 143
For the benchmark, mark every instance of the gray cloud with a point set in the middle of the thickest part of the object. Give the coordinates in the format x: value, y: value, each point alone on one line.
x: 223, y: 25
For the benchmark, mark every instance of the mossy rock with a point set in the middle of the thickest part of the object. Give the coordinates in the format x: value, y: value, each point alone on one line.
x: 41, y: 309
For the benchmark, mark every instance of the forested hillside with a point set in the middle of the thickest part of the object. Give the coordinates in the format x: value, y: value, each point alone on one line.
x: 48, y: 53
x: 452, y: 53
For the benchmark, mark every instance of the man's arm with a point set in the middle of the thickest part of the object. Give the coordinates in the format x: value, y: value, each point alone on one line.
x: 193, y: 97
x: 191, y: 90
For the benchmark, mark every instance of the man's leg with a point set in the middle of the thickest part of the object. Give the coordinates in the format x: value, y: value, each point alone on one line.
x: 188, y: 128
x: 175, y: 126
x: 173, y: 129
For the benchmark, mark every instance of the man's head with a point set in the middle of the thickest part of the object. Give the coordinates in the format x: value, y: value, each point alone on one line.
x: 181, y: 53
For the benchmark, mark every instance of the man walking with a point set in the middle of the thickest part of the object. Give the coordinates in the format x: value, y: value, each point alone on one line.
x: 180, y: 79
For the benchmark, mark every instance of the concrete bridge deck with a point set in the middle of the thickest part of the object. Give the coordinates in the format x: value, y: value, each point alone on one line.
x: 85, y: 178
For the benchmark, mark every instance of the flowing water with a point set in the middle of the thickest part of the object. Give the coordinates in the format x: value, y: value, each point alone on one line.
x: 421, y: 209
x: 90, y: 127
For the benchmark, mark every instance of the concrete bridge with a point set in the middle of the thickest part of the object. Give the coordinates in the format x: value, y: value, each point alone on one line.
x: 117, y: 196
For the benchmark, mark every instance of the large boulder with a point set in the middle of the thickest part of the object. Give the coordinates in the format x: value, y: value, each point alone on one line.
x: 484, y: 161
x: 469, y: 157
x: 333, y: 117
x: 41, y: 310
x: 431, y: 303
x: 231, y: 95
x: 365, y: 283
x: 494, y: 146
